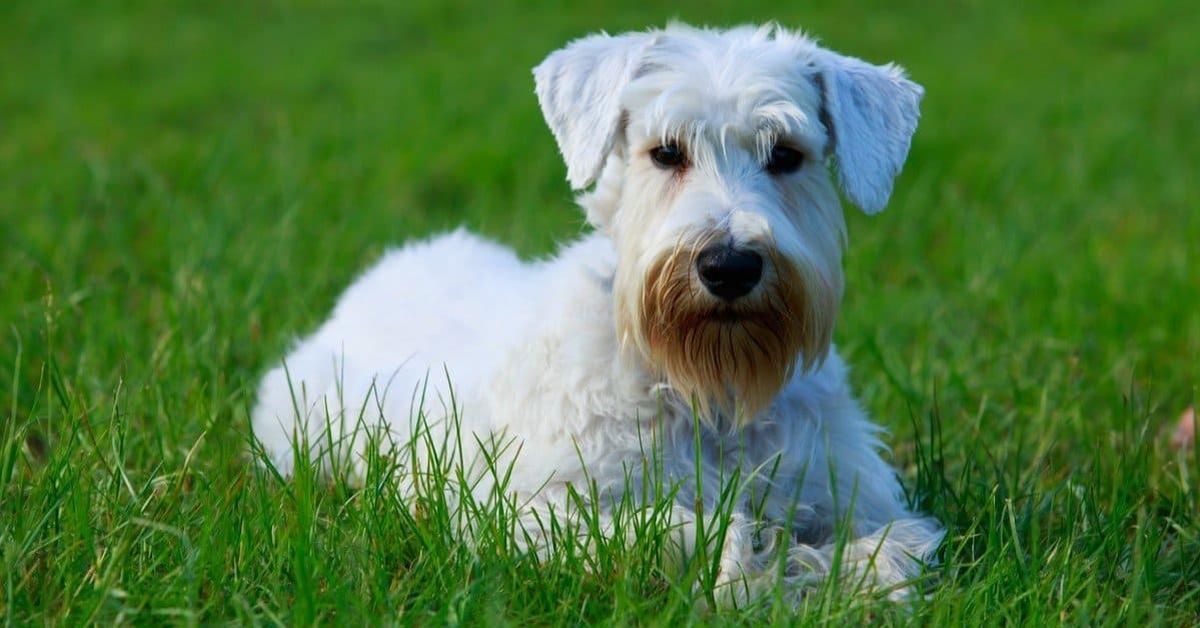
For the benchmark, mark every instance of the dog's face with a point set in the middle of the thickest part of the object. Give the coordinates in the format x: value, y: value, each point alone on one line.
x: 709, y: 153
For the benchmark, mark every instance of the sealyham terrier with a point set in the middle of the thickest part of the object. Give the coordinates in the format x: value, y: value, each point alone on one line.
x: 695, y: 319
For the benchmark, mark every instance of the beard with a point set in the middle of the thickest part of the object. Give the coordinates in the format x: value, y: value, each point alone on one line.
x: 728, y: 359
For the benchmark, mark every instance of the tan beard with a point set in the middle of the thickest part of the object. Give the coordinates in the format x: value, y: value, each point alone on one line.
x: 729, y: 359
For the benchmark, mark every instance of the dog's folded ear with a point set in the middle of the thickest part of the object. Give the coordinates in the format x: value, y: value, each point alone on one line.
x: 870, y: 113
x: 579, y: 88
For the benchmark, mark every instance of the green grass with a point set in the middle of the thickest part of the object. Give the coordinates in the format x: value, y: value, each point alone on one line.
x: 185, y: 187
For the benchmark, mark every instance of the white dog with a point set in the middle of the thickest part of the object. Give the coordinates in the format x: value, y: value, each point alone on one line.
x: 701, y: 308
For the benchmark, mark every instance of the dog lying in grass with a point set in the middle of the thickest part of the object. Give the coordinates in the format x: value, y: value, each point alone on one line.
x: 688, y: 337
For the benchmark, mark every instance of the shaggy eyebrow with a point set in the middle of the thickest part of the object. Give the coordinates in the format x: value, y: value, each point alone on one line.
x: 690, y: 136
x: 776, y: 118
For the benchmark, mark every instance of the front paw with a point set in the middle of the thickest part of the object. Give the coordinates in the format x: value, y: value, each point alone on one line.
x: 886, y: 561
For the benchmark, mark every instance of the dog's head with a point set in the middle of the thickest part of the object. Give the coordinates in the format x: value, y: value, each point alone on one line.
x: 708, y: 149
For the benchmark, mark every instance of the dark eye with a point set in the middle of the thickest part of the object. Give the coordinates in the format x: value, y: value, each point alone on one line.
x: 668, y: 157
x: 784, y: 160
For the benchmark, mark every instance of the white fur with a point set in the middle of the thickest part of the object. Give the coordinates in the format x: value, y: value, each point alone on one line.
x: 874, y: 111
x: 536, y: 352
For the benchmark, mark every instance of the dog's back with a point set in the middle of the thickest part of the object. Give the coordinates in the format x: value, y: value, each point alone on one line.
x: 430, y: 319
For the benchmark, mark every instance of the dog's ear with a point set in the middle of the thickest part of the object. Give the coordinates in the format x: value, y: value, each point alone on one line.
x: 579, y: 88
x: 870, y: 113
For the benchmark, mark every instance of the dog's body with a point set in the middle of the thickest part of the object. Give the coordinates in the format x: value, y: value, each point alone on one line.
x: 702, y: 304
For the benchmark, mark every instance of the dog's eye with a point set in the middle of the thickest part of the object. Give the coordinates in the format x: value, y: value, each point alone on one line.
x: 784, y: 160
x: 668, y: 157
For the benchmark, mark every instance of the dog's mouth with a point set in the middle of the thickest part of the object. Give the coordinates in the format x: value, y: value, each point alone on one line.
x: 726, y: 316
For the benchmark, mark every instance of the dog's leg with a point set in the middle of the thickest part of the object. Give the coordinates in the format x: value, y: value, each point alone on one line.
x: 289, y: 415
x: 884, y: 561
x: 748, y: 567
x: 306, y: 413
x: 858, y: 527
x: 730, y: 564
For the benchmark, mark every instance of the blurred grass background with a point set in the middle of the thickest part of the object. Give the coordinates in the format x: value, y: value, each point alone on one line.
x: 186, y: 186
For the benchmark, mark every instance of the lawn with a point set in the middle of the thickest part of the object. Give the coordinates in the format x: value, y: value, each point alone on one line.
x: 185, y: 187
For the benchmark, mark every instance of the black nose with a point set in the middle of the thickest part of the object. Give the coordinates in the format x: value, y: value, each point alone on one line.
x: 727, y: 272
